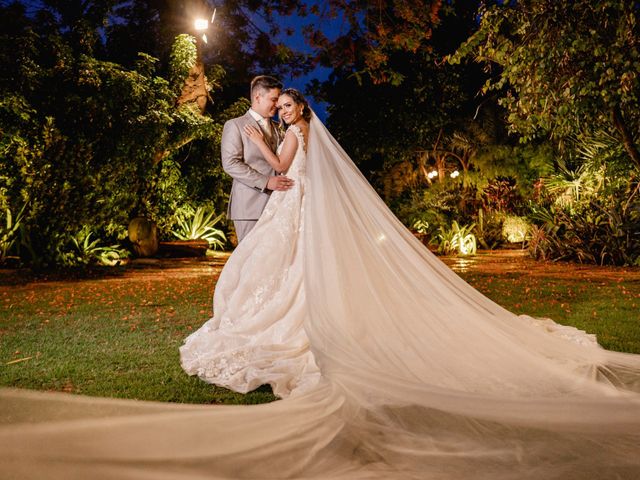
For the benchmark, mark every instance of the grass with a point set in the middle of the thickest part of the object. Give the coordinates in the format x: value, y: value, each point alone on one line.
x: 111, y: 337
x: 606, y: 307
x: 118, y: 335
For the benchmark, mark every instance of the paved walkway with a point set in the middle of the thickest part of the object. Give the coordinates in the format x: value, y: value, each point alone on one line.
x: 498, y: 262
x: 518, y: 261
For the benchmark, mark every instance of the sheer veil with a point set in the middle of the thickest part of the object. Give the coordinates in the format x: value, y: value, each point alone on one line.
x: 422, y: 377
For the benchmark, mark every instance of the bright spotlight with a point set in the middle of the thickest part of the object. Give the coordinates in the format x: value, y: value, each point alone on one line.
x: 201, y: 24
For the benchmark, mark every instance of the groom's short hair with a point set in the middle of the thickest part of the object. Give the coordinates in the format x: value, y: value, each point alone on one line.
x: 264, y: 82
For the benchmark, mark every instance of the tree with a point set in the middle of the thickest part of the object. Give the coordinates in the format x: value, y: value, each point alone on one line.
x: 565, y: 66
x: 246, y: 38
x: 375, y: 32
x: 402, y: 114
x: 87, y: 144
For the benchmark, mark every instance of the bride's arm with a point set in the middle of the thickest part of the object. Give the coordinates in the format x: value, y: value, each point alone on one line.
x: 282, y: 162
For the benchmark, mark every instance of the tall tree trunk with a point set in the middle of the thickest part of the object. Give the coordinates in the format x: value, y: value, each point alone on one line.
x: 195, y: 90
x: 627, y: 137
x: 439, y: 157
x: 195, y: 87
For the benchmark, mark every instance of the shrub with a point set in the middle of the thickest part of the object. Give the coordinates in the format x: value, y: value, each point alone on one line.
x: 456, y: 240
x: 199, y: 224
x: 600, y: 232
x: 488, y: 229
x: 515, y: 229
x: 592, y: 209
x: 92, y: 144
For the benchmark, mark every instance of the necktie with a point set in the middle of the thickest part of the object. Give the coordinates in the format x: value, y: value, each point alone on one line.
x: 266, y: 128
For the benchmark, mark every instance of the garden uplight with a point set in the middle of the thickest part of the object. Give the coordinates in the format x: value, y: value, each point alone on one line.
x: 455, y: 174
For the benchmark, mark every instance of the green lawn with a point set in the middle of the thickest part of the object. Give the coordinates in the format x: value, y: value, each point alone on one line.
x: 604, y: 306
x: 118, y: 335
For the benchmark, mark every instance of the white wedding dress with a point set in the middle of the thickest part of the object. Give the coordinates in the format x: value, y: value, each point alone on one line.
x: 391, y: 365
x: 257, y: 333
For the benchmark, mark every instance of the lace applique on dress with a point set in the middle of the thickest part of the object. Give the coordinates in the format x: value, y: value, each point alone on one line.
x: 298, y: 133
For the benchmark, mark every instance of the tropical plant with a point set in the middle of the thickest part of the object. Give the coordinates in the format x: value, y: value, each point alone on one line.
x: 456, y: 239
x: 600, y: 232
x: 500, y: 195
x: 113, y: 255
x: 589, y: 212
x: 199, y: 224
x: 9, y: 231
x: 539, y: 244
x: 83, y: 243
x: 488, y: 229
x: 86, y: 250
x: 568, y: 186
x: 421, y: 226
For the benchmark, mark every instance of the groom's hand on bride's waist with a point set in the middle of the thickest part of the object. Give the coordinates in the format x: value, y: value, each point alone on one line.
x: 279, y: 183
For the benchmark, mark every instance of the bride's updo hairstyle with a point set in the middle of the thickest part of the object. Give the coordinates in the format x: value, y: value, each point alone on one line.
x: 299, y: 99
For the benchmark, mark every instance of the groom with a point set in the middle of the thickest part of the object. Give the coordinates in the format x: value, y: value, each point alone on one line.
x: 253, y: 178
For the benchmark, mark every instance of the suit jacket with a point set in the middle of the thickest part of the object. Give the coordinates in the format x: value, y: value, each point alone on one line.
x: 242, y: 159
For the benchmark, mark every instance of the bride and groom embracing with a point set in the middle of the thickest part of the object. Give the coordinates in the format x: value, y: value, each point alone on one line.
x: 256, y: 335
x: 388, y: 364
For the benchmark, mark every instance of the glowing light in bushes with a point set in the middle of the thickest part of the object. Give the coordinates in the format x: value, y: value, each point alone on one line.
x: 515, y: 229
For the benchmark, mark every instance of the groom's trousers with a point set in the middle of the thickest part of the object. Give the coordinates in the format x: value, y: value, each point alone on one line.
x: 243, y: 227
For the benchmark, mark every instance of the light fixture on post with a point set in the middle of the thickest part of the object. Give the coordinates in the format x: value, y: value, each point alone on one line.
x: 201, y: 25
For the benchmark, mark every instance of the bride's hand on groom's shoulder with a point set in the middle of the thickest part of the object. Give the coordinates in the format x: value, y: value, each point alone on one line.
x: 255, y: 135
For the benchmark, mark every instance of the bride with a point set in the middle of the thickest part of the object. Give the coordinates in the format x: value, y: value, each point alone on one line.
x: 391, y: 365
x: 257, y: 333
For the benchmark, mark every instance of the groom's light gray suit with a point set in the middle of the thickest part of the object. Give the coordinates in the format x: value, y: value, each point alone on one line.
x: 242, y: 159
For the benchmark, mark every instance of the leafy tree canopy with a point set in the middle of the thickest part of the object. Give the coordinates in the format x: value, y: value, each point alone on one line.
x: 374, y: 32
x: 566, y: 66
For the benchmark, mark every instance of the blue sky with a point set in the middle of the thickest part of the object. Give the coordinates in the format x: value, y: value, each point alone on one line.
x: 296, y: 41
